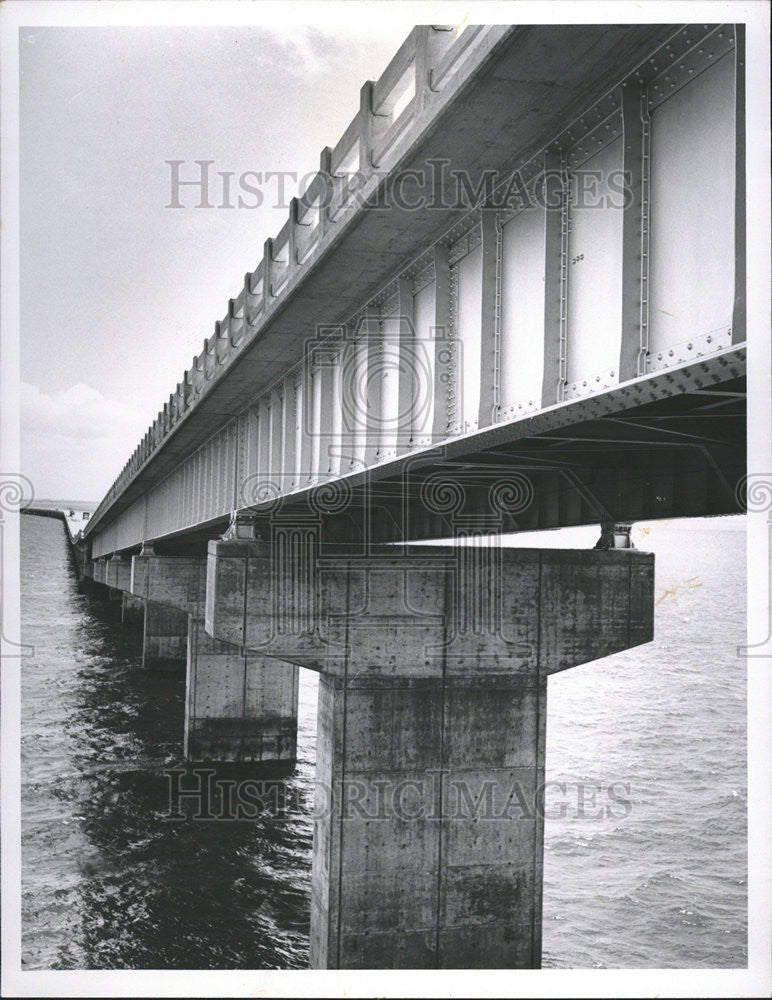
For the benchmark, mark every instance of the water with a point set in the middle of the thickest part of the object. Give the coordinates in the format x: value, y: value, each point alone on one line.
x: 664, y: 886
x: 649, y: 874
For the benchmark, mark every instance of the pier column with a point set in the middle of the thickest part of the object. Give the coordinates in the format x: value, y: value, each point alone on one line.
x: 165, y: 636
x: 431, y: 855
x: 132, y: 610
x: 99, y: 574
x: 118, y: 573
x: 240, y: 706
x: 428, y: 830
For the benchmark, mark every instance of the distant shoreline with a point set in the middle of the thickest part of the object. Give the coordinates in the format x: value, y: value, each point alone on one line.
x: 36, y: 503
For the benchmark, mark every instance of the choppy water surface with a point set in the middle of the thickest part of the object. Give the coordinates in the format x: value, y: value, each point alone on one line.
x: 645, y: 859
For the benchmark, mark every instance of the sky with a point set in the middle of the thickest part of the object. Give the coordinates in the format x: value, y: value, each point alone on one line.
x: 118, y: 290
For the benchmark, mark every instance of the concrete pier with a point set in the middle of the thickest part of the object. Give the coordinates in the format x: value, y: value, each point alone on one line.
x: 100, y: 571
x: 132, y: 610
x: 432, y: 854
x: 165, y: 636
x: 431, y: 729
x: 118, y: 573
x: 240, y: 706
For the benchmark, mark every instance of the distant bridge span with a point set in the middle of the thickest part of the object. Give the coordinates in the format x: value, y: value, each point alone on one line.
x: 513, y: 298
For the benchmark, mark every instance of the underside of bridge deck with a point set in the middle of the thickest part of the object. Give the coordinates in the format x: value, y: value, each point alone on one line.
x: 681, y: 455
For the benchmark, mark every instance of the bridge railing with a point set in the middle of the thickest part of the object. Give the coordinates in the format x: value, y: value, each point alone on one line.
x: 390, y: 111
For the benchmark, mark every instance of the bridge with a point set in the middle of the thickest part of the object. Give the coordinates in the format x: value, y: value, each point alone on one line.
x: 512, y: 298
x: 73, y: 516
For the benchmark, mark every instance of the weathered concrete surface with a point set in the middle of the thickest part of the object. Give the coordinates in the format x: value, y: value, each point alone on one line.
x: 239, y: 706
x: 171, y: 580
x: 165, y: 637
x: 132, y: 610
x: 428, y: 837
x: 474, y: 610
x: 118, y: 573
x: 431, y: 854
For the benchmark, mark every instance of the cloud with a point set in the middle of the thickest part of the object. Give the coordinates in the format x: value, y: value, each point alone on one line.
x: 75, y: 442
x: 316, y: 51
x: 79, y: 412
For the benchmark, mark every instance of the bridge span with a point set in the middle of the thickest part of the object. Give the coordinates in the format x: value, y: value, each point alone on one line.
x: 511, y: 299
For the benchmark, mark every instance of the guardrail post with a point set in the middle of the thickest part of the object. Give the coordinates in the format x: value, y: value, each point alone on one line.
x: 371, y: 127
x: 327, y: 191
x: 431, y: 41
x: 267, y: 270
x: 292, y: 239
